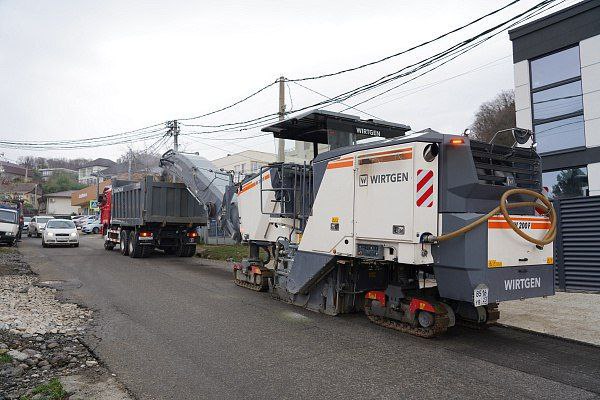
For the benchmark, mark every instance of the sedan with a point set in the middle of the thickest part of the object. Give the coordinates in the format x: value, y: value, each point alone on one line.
x: 91, y: 227
x: 60, y: 232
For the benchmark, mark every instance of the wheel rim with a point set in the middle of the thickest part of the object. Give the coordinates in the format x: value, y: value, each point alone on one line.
x: 425, y: 319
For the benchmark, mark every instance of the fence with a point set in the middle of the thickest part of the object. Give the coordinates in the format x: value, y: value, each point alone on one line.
x: 577, y: 245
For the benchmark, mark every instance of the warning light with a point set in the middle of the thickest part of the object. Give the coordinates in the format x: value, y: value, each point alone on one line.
x: 193, y: 234
x: 457, y: 141
x: 145, y: 234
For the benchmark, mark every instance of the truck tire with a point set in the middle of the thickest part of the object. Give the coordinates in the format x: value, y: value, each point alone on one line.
x: 191, y: 250
x: 135, y: 249
x: 146, y: 251
x: 185, y: 250
x: 124, y: 243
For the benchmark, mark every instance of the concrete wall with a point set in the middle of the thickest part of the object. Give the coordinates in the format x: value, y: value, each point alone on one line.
x: 60, y: 206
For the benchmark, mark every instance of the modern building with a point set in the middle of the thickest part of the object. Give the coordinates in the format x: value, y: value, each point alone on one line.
x: 10, y: 172
x: 557, y: 95
x: 48, y: 172
x: 87, y: 173
x: 58, y: 204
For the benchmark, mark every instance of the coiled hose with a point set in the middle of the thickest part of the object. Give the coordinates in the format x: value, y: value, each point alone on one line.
x: 503, y: 208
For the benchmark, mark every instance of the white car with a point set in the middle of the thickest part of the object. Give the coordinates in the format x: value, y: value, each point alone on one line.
x: 60, y: 232
x: 38, y: 224
x: 92, y: 226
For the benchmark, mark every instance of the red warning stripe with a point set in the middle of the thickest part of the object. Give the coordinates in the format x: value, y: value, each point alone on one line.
x: 424, y: 188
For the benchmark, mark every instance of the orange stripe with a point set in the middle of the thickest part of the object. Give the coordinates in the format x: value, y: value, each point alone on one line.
x: 406, y: 149
x: 250, y: 185
x: 505, y: 225
x: 340, y: 164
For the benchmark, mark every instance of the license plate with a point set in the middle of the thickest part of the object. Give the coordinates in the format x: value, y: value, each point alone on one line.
x: 480, y: 297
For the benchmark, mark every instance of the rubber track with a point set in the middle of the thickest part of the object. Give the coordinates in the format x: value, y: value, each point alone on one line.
x: 440, y: 325
x: 252, y: 286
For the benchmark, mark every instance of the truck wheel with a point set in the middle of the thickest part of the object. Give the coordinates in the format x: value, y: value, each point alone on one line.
x: 124, y: 243
x: 146, y: 251
x: 191, y: 251
x: 135, y: 249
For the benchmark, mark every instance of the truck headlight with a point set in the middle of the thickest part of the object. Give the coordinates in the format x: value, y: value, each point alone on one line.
x: 50, y: 234
x: 73, y: 234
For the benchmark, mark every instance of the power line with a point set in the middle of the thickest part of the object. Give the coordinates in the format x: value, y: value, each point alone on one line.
x: 409, y: 49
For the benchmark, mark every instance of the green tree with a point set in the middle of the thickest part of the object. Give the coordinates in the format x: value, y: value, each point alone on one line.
x: 569, y: 183
x: 61, y: 182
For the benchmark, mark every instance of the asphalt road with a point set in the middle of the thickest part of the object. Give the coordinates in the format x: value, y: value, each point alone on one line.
x: 173, y: 328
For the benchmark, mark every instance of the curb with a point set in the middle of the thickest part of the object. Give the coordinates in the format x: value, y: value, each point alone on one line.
x: 548, y: 335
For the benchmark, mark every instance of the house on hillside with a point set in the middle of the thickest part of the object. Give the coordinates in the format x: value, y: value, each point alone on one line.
x: 86, y: 174
x: 10, y: 172
x: 28, y: 192
x: 48, y: 172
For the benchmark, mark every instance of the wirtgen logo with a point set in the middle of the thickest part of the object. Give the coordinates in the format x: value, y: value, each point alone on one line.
x: 365, y: 179
x: 368, y: 132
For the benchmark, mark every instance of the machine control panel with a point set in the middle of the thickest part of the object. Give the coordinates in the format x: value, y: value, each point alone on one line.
x: 369, y: 250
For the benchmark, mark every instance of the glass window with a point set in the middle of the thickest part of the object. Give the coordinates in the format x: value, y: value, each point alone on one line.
x: 560, y: 100
x: 8, y: 216
x: 60, y: 224
x: 559, y: 135
x: 555, y: 67
x: 572, y: 182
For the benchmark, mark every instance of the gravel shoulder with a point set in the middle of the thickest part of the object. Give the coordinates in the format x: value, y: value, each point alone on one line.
x: 41, y: 340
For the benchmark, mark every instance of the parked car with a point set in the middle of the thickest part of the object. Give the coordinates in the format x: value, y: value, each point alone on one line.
x: 93, y: 226
x: 26, y: 221
x: 9, y: 226
x: 38, y: 224
x: 60, y: 232
x: 79, y: 222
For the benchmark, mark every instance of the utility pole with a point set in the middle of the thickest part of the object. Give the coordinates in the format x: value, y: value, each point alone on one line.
x: 174, y: 131
x: 281, y: 112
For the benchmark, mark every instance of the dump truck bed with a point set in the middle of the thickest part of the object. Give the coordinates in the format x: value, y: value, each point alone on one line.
x: 151, y: 202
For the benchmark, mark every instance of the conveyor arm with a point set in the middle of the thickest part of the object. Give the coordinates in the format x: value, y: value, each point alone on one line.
x: 209, y: 185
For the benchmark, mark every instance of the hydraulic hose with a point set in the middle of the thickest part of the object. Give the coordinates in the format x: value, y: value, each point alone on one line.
x: 503, y: 208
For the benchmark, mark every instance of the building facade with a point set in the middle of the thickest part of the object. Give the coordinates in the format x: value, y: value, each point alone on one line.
x: 557, y: 95
x: 48, y: 172
x: 58, y: 204
x: 87, y: 173
x: 249, y: 162
x: 83, y: 198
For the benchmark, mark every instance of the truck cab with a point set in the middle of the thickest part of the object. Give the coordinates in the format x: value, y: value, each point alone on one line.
x: 9, y: 225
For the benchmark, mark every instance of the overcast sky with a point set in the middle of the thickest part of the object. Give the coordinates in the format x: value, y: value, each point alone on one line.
x: 77, y: 69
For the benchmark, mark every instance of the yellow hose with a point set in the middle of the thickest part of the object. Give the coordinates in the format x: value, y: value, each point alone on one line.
x: 504, y: 206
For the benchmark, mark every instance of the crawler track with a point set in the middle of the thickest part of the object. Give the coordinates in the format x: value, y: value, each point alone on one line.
x: 439, y: 326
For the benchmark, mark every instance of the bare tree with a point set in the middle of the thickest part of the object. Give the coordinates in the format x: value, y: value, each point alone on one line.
x: 494, y: 116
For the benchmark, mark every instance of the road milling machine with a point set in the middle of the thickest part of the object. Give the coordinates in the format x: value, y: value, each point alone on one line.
x: 420, y: 231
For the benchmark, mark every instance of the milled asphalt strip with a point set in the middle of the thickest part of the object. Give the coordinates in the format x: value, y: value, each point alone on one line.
x: 182, y: 324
